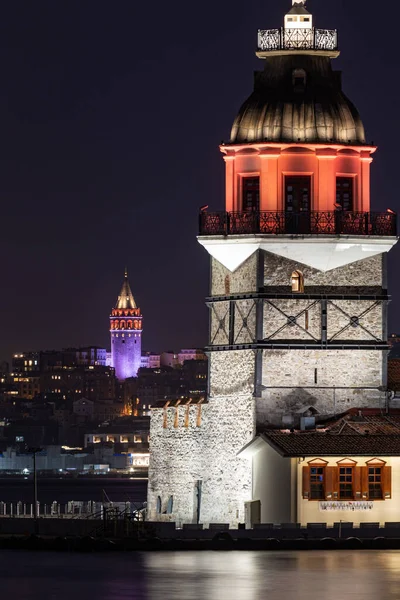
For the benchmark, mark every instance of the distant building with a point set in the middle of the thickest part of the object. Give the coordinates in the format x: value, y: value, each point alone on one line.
x: 191, y: 354
x: 91, y: 356
x: 126, y: 334
x: 129, y: 434
x: 83, y: 408
x: 169, y: 359
x: 57, y: 458
x: 176, y: 359
x: 28, y: 385
x: 24, y: 362
x: 95, y: 383
x: 150, y: 360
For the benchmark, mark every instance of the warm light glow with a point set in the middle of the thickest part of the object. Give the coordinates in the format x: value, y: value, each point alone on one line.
x: 297, y: 282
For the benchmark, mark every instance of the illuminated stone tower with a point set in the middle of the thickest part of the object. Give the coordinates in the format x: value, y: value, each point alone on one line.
x: 298, y: 298
x: 126, y: 334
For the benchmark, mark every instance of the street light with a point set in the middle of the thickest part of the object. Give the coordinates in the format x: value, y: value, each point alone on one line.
x: 34, y: 451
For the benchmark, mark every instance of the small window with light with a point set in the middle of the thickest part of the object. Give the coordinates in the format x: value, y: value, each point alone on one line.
x: 297, y: 282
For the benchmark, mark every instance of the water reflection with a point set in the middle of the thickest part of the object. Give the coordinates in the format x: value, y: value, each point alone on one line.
x: 201, y: 576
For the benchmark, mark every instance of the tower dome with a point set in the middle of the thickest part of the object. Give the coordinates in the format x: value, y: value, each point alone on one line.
x: 298, y: 97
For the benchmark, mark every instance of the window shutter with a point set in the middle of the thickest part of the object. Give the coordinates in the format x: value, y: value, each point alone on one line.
x: 357, y: 487
x: 387, y: 482
x: 306, y: 482
x: 331, y: 476
x: 364, y: 483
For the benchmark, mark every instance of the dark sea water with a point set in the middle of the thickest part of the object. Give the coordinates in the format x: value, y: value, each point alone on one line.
x: 356, y: 575
x: 64, y: 490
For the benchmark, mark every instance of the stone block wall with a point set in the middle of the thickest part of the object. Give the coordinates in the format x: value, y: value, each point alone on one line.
x: 369, y: 324
x: 244, y: 279
x: 331, y: 381
x: 175, y: 464
x: 219, y: 328
x: 306, y: 312
x: 365, y: 273
x: 181, y: 456
x: 242, y: 313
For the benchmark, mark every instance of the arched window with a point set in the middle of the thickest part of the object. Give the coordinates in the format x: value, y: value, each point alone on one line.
x: 170, y: 505
x: 158, y: 505
x: 297, y: 282
x: 227, y: 285
x: 130, y: 324
x: 122, y: 324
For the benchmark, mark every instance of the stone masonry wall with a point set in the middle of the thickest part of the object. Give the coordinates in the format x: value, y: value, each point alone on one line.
x: 365, y: 273
x: 225, y: 283
x: 307, y: 313
x: 308, y: 320
x: 244, y: 279
x: 175, y: 464
x: 179, y: 457
x: 219, y: 329
x: 368, y: 313
x: 331, y: 381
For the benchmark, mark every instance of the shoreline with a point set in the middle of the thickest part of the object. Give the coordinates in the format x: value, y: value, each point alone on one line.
x: 88, y: 544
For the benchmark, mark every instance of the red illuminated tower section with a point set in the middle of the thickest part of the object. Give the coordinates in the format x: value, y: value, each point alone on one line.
x: 126, y: 334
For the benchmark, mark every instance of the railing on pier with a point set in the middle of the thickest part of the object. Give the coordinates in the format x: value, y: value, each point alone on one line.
x: 270, y: 40
x: 303, y: 223
x: 73, y: 510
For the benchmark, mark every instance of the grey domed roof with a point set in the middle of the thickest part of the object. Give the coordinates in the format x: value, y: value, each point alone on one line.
x: 298, y: 98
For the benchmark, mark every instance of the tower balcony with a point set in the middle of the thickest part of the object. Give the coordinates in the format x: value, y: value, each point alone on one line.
x: 335, y: 223
x: 287, y: 39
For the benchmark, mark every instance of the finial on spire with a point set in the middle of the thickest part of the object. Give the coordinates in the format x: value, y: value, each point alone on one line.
x: 126, y: 272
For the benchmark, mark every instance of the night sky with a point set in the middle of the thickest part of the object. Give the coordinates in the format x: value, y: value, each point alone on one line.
x: 110, y: 115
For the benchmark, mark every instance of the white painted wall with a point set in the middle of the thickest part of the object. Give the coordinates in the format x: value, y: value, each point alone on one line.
x: 272, y: 485
x: 383, y: 510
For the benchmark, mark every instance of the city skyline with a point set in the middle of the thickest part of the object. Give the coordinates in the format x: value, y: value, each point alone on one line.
x: 102, y: 166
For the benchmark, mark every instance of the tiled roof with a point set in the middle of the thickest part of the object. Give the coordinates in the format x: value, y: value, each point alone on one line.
x: 367, y: 435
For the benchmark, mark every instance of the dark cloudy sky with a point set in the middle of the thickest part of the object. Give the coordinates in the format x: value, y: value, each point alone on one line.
x: 111, y: 113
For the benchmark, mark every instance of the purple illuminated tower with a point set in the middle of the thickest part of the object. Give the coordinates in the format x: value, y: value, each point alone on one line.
x: 126, y: 334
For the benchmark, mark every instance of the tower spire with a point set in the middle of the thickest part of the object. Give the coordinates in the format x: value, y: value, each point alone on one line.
x: 125, y: 298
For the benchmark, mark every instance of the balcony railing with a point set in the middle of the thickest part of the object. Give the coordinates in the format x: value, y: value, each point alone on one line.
x: 304, y: 223
x: 297, y: 39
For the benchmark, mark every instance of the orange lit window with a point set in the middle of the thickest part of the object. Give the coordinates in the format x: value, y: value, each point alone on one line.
x: 297, y: 282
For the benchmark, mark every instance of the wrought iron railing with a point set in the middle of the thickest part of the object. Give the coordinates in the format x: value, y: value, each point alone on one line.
x: 297, y: 39
x: 303, y: 223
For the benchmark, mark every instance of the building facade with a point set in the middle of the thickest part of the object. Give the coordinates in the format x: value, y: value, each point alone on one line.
x: 298, y: 298
x: 126, y: 334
